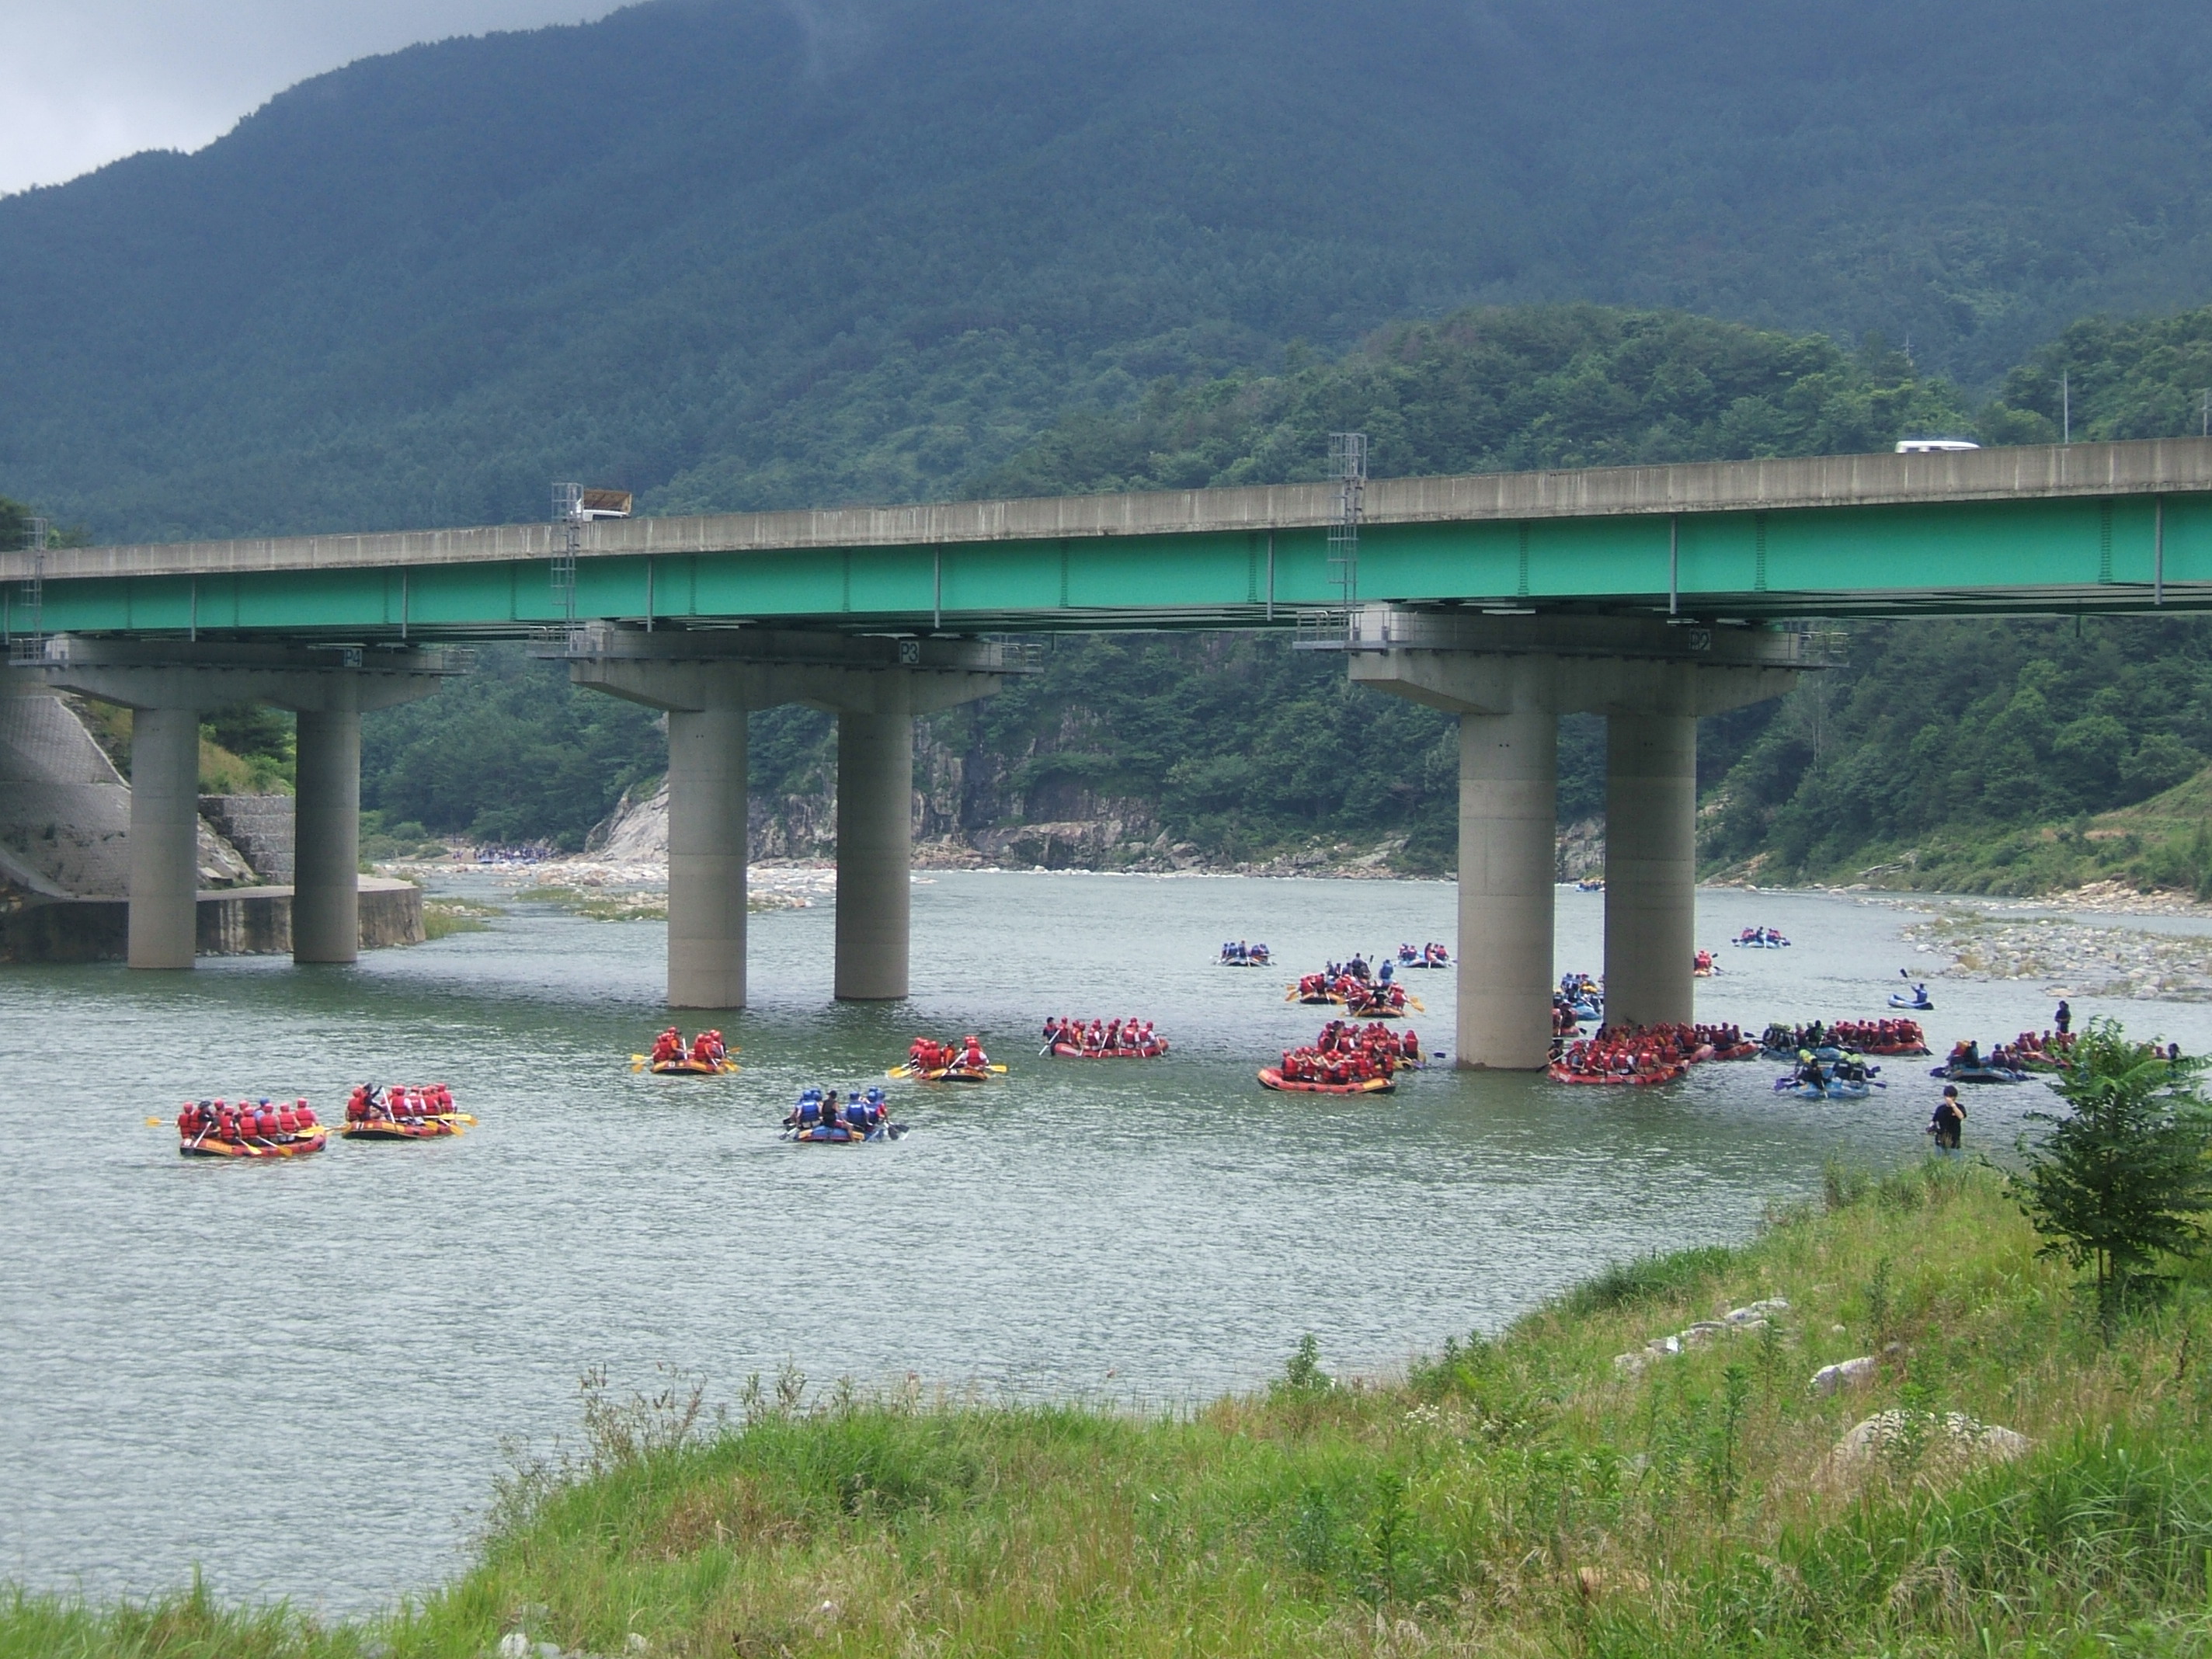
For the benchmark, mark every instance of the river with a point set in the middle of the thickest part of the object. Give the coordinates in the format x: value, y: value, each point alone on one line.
x: 259, y: 1369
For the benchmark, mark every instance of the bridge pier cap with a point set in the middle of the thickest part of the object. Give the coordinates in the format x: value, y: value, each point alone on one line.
x: 1507, y: 678
x: 709, y: 681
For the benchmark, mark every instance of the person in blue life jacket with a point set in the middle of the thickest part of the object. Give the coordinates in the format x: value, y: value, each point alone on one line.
x: 1384, y: 972
x: 856, y: 1113
x: 2063, y: 1019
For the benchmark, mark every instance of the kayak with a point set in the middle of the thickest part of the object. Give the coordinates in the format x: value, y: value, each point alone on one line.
x: 1896, y: 1050
x: 844, y: 1134
x: 1898, y: 999
x: 688, y: 1067
x: 1831, y: 1091
x: 293, y: 1145
x: 1582, y: 1010
x: 1271, y: 1077
x: 405, y: 1128
x: 1560, y: 1073
x: 1760, y: 944
x: 1069, y: 1051
x: 1740, y: 1051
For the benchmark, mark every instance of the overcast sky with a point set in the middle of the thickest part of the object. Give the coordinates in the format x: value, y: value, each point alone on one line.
x: 88, y: 81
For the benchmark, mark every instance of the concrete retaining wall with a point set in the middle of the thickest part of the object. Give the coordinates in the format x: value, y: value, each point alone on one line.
x: 244, y: 921
x: 260, y: 826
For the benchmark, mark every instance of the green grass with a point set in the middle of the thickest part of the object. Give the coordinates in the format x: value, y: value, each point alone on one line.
x: 444, y: 917
x: 1517, y: 1496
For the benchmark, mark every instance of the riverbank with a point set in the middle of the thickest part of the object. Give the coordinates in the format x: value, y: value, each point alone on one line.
x: 1582, y: 1482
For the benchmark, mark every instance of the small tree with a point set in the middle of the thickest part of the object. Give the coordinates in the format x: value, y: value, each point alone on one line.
x: 2123, y: 1178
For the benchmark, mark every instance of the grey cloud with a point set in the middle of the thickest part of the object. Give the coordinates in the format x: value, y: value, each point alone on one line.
x: 92, y: 80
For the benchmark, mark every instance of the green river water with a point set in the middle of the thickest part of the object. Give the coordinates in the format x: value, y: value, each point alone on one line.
x: 255, y: 1369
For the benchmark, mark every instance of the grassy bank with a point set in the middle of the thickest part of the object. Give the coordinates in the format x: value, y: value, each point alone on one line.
x: 1526, y: 1495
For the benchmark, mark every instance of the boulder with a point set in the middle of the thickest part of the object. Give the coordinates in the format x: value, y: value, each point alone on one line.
x: 1829, y: 1378
x: 1950, y: 1440
x: 1755, y: 1313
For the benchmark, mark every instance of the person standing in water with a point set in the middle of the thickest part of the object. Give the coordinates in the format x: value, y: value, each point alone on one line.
x: 1950, y: 1119
x: 2063, y: 1019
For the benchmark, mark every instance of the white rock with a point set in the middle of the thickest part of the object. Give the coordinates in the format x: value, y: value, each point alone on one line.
x: 1747, y: 1327
x: 1829, y: 1378
x: 1631, y: 1363
x: 1953, y: 1437
x: 549, y: 1651
x: 635, y: 1644
x: 1702, y: 1333
x: 514, y: 1645
x: 1664, y: 1344
x: 1755, y: 1312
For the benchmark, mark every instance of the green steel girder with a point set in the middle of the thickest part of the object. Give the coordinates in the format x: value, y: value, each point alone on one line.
x: 2076, y: 553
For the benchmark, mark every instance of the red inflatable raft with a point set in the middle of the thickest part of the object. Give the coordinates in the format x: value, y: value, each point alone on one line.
x: 217, y: 1130
x: 1271, y: 1077
x: 1619, y: 1080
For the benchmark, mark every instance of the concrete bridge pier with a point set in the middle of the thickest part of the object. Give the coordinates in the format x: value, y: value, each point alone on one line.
x: 326, y: 837
x: 1650, y: 867
x: 707, y: 856
x: 168, y: 684
x: 709, y: 682
x: 165, y: 829
x: 1509, y: 679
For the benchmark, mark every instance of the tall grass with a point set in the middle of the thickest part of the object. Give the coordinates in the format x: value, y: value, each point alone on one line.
x: 1510, y: 1495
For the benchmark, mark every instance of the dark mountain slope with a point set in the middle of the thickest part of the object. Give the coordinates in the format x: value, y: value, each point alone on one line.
x: 732, y: 255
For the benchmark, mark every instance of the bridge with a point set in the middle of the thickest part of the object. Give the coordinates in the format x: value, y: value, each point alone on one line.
x: 1653, y: 595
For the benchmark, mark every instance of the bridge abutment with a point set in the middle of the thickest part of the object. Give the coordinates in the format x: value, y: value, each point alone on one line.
x: 709, y: 683
x: 1509, y: 678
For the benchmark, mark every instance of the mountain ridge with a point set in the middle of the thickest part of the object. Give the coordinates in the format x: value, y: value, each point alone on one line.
x: 733, y: 254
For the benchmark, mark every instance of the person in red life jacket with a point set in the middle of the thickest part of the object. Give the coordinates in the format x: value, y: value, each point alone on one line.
x: 702, y: 1050
x: 972, y: 1057
x: 667, y: 1047
x: 307, y: 1116
x: 287, y: 1121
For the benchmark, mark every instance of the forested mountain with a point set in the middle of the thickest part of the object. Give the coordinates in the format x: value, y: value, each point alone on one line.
x: 739, y: 253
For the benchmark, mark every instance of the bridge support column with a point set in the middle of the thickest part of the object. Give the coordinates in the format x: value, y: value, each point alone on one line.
x: 326, y: 838
x: 708, y: 682
x: 707, y: 857
x: 1508, y: 860
x: 165, y: 828
x: 1650, y: 868
x: 875, y: 845
x: 169, y: 683
x: 1508, y: 678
